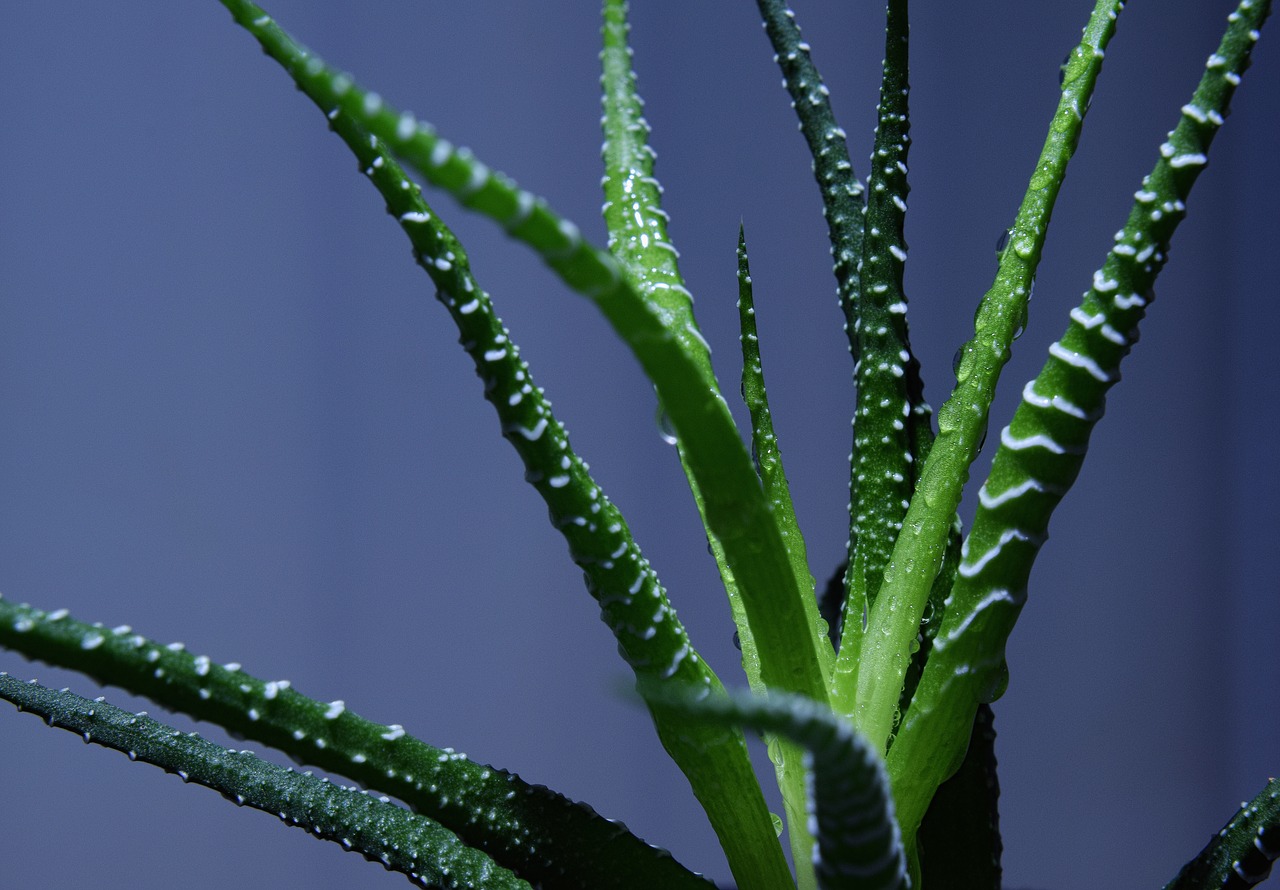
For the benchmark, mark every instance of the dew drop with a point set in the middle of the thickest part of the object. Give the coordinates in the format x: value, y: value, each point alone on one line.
x: 774, y: 750
x: 1020, y: 325
x: 946, y: 421
x: 1003, y: 241
x: 926, y: 615
x: 777, y: 823
x: 665, y: 428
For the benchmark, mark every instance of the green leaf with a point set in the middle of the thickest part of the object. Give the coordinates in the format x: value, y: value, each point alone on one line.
x: 894, y: 620
x: 768, y: 459
x: 633, y: 213
x: 930, y: 621
x: 858, y: 844
x: 883, y: 469
x: 1043, y: 447
x: 529, y: 829
x: 891, y: 432
x: 414, y: 845
x: 842, y: 193
x: 1242, y: 853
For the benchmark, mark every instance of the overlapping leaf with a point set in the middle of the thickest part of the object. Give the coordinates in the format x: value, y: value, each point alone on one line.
x: 735, y: 508
x: 420, y: 848
x: 894, y: 619
x: 859, y: 846
x: 529, y: 829
x: 632, y: 601
x: 1043, y: 447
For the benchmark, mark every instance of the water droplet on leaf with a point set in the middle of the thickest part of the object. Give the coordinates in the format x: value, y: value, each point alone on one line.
x: 774, y: 750
x: 665, y: 428
x: 927, y: 614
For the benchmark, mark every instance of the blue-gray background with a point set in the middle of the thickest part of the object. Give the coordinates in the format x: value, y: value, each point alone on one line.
x: 234, y: 416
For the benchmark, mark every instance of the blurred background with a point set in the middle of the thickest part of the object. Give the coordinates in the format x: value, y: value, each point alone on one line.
x: 234, y: 415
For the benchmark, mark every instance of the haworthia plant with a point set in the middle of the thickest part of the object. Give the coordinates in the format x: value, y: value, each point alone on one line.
x: 879, y: 727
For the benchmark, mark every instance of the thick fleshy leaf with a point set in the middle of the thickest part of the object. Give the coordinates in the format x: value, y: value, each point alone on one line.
x: 420, y: 848
x: 639, y: 238
x: 884, y: 470
x: 637, y: 224
x: 842, y: 192
x: 764, y: 440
